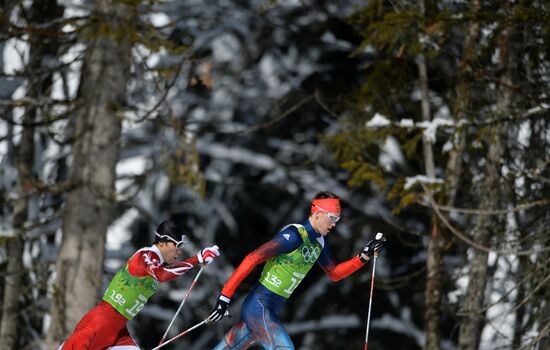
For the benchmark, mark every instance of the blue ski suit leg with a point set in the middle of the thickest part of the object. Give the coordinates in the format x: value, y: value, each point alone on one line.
x: 259, y: 324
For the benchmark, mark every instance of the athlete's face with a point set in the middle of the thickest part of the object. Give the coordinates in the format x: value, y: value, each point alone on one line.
x: 170, y: 253
x: 324, y: 222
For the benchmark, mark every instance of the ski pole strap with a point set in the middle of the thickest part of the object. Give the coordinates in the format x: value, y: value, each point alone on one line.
x: 180, y: 335
x: 181, y: 305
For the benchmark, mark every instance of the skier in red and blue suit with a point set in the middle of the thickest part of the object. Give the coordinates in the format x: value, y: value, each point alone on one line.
x: 288, y: 257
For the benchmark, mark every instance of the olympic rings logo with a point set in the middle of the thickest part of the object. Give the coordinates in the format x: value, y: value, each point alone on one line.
x: 310, y: 254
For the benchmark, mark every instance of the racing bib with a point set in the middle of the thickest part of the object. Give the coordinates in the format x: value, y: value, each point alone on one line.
x: 283, y: 273
x: 128, y: 294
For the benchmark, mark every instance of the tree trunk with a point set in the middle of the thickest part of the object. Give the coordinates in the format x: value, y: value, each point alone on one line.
x: 434, y: 258
x: 11, y: 336
x: 454, y: 162
x: 88, y: 208
x: 433, y: 288
x: 513, y: 42
x: 12, y: 286
x: 470, y: 324
x: 437, y: 242
x: 436, y: 247
x: 544, y: 320
x: 520, y: 311
x: 426, y: 115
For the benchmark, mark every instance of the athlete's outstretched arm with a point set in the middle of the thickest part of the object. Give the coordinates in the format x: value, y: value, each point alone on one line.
x: 338, y: 271
x: 147, y: 263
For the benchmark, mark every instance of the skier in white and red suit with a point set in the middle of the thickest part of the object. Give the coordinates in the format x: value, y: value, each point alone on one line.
x: 104, y: 327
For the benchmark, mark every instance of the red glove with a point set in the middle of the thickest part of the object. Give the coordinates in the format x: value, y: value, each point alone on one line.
x: 208, y: 254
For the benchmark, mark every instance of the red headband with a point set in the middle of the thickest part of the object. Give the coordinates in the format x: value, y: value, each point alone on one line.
x: 332, y: 205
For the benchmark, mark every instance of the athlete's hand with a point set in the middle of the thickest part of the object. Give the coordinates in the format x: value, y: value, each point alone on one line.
x: 220, y: 309
x: 373, y: 247
x: 208, y: 254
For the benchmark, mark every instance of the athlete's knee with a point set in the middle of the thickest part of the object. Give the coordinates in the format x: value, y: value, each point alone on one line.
x: 238, y: 337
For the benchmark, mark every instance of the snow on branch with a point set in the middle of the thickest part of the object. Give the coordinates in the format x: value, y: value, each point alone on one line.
x: 422, y: 179
x: 544, y: 107
x: 378, y: 121
x: 429, y: 127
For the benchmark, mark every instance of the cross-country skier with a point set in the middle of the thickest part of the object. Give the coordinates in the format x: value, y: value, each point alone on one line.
x: 289, y: 255
x: 104, y: 327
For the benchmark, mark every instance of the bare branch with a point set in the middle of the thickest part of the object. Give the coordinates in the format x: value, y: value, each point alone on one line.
x: 462, y: 236
x: 521, y: 207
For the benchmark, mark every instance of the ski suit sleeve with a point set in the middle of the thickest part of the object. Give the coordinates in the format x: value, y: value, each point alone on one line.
x: 338, y: 271
x: 147, y: 263
x: 284, y: 242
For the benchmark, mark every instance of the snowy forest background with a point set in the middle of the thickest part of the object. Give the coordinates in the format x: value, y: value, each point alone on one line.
x: 429, y: 118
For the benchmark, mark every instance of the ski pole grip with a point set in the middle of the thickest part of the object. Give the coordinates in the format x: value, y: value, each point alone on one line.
x: 379, y: 235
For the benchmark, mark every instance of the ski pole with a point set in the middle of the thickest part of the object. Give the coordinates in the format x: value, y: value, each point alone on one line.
x: 180, y: 335
x: 183, y: 302
x: 378, y: 236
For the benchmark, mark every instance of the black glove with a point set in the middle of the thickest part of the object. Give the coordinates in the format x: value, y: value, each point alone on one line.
x: 220, y: 309
x: 374, y: 246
